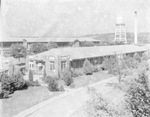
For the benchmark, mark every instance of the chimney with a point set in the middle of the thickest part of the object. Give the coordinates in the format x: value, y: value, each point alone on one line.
x: 135, y: 28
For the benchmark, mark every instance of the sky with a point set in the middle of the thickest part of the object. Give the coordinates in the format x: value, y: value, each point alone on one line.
x: 65, y: 18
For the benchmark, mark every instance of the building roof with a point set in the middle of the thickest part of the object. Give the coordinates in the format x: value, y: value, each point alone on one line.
x: 47, y: 39
x: 89, y: 52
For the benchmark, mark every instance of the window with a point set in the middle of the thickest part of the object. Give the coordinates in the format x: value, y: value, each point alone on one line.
x: 52, y: 65
x: 63, y: 65
x: 31, y: 64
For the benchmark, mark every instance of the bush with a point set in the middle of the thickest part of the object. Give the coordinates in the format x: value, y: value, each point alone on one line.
x: 139, y: 97
x: 130, y: 62
x: 2, y: 76
x: 87, y: 44
x: 61, y: 88
x: 34, y: 83
x: 105, y: 63
x: 144, y: 56
x: 51, y: 45
x: 72, y: 85
x: 47, y: 78
x: 76, y: 73
x: 97, y: 68
x: 67, y: 77
x: 11, y: 84
x: 7, y: 86
x: 111, y: 64
x: 30, y: 76
x: 98, y: 106
x: 88, y: 67
x: 18, y: 81
x: 52, y: 84
x: 137, y: 57
x: 44, y: 74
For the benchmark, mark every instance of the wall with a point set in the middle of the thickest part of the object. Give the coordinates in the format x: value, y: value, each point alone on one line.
x: 47, y: 67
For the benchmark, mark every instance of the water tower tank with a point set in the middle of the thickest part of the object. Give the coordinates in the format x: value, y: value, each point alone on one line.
x: 119, y: 20
x: 120, y: 31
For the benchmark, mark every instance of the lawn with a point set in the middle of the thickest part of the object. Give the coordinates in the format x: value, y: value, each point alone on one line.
x: 85, y: 80
x: 24, y: 99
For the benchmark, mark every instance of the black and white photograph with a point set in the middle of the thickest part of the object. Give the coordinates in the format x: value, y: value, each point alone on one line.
x: 74, y: 58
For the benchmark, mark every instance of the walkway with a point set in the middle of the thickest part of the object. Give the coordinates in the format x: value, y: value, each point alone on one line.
x: 67, y: 103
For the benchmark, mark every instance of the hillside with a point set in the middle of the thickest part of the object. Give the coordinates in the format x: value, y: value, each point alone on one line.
x: 142, y: 37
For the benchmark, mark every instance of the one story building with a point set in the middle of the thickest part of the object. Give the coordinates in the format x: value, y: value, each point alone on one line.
x: 55, y: 61
x: 28, y: 41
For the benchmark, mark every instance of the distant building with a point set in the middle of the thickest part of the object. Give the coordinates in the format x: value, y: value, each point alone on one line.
x: 27, y: 42
x: 57, y: 60
x: 76, y: 43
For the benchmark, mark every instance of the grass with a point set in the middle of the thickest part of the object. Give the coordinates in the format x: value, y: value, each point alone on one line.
x: 24, y: 99
x: 90, y: 79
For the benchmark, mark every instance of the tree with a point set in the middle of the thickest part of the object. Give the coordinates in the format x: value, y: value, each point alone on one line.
x: 88, y: 67
x: 30, y: 76
x: 67, y: 77
x: 87, y: 44
x: 38, y: 48
x: 18, y: 51
x: 144, y: 56
x: 139, y: 97
x: 52, y: 84
x: 51, y: 45
x: 18, y: 81
x: 98, y: 106
x: 137, y: 57
x: 44, y: 74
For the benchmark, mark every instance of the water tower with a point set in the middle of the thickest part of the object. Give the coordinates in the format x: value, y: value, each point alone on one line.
x: 120, y: 31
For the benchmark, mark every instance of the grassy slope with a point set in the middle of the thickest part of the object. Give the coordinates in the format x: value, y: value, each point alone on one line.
x: 90, y: 79
x: 142, y: 37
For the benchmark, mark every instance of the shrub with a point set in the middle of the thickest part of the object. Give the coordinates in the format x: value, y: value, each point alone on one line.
x: 67, y: 77
x: 18, y: 81
x: 144, y: 56
x: 11, y: 84
x: 7, y: 86
x: 98, y: 106
x: 139, y: 97
x: 143, y: 65
x: 2, y: 76
x: 88, y: 67
x: 34, y: 83
x: 76, y: 73
x: 132, y: 62
x: 105, y: 63
x: 52, y: 84
x: 47, y: 78
x: 61, y: 88
x: 44, y: 74
x: 51, y: 45
x: 97, y: 68
x: 111, y: 65
x: 137, y: 57
x: 30, y: 76
x: 87, y: 44
x: 72, y: 85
